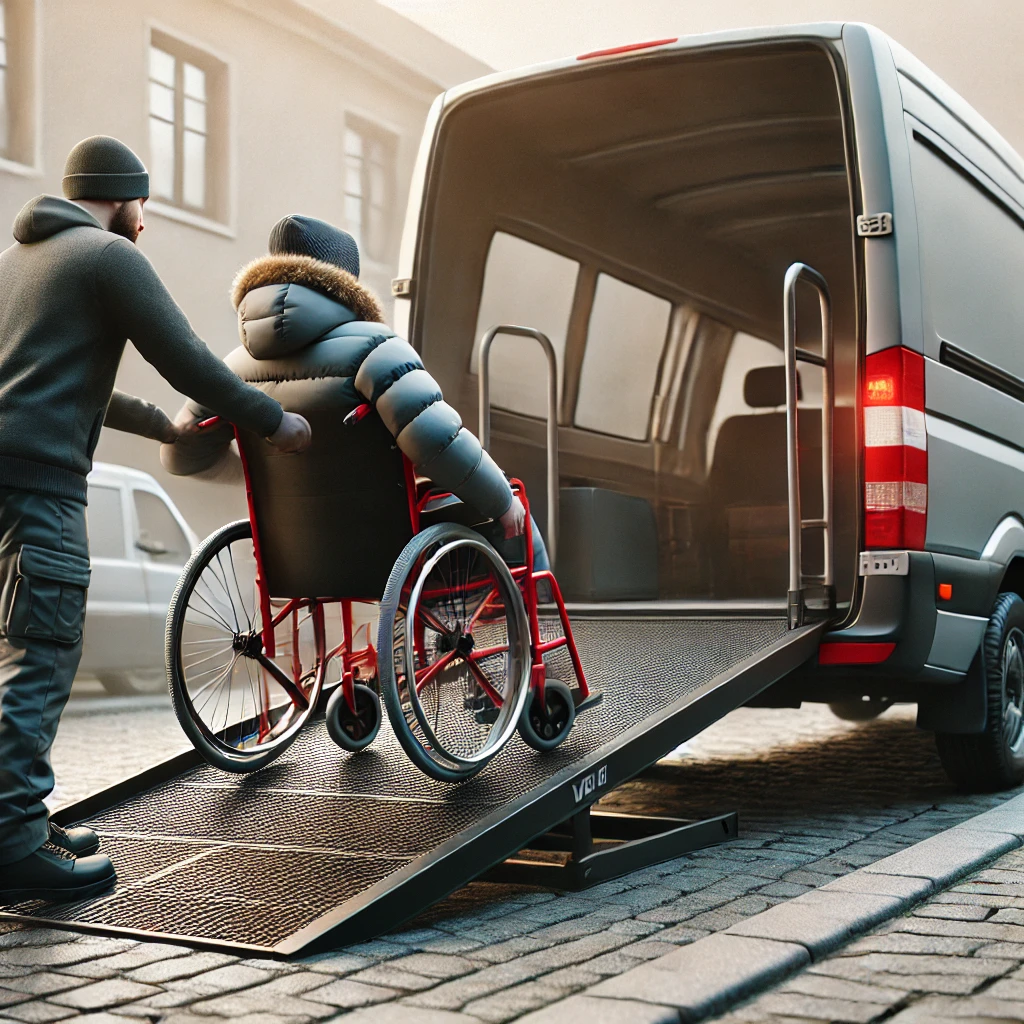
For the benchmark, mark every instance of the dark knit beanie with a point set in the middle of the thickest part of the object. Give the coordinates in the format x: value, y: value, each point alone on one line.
x: 296, y: 235
x: 103, y: 168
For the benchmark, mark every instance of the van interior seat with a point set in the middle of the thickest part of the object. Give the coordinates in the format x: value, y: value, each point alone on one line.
x: 607, y: 546
x: 748, y: 490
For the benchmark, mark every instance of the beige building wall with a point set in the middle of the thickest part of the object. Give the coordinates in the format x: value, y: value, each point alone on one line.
x: 293, y: 74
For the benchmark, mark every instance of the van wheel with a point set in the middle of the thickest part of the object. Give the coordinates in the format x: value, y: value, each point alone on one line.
x: 994, y: 759
x: 857, y: 710
x: 131, y: 684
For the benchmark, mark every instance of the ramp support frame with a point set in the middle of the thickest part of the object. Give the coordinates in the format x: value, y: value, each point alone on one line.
x: 598, y: 845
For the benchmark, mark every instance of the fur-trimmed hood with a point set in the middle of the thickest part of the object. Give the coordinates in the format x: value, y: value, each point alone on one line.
x: 321, y: 277
x: 286, y: 303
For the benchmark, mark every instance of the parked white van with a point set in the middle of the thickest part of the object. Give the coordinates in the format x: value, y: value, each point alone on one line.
x: 664, y: 213
x: 138, y: 543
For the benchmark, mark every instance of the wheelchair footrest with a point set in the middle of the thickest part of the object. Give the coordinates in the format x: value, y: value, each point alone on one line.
x: 586, y: 703
x: 594, y: 846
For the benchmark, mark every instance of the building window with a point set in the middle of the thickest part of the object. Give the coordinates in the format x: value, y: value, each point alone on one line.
x: 17, y: 81
x: 187, y: 125
x: 369, y: 186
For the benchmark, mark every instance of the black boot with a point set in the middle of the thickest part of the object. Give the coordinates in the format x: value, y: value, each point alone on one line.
x: 51, y: 873
x: 80, y: 841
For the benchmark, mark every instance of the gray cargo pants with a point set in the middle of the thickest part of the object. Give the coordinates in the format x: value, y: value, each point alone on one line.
x: 44, y: 575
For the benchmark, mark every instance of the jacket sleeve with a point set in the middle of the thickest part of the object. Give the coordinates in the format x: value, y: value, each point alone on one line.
x: 136, y: 416
x: 428, y: 430
x: 140, y: 307
x: 204, y: 454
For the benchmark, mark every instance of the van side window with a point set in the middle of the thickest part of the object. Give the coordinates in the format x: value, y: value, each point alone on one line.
x: 747, y: 353
x: 625, y: 340
x: 159, y: 534
x: 531, y: 286
x: 105, y: 522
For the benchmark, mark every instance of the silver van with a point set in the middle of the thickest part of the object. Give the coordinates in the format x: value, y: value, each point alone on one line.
x: 781, y: 274
x: 138, y: 543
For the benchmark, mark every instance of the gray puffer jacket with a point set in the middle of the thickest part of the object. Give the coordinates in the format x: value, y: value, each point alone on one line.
x: 311, y: 336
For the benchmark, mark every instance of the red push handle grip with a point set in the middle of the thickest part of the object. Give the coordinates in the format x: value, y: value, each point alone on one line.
x: 359, y: 413
x: 210, y: 421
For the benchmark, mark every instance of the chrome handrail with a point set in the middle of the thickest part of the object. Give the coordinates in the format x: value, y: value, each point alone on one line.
x: 484, y: 383
x: 797, y: 524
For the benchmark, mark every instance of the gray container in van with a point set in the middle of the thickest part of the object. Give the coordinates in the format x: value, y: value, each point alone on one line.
x: 644, y: 209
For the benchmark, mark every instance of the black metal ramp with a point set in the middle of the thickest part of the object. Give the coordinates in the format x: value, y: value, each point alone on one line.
x: 324, y: 848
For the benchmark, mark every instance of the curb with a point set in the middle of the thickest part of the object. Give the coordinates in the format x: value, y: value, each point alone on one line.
x: 711, y: 975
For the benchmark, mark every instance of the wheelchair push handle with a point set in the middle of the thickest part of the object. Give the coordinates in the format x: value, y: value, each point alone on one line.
x: 358, y: 414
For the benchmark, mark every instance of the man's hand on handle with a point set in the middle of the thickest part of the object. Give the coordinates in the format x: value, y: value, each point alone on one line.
x: 514, y: 520
x: 293, y: 435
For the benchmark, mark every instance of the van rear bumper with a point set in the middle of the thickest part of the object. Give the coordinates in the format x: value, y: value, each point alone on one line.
x: 934, y: 641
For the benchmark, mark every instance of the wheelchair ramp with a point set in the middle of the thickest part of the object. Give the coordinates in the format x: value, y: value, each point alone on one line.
x: 324, y: 848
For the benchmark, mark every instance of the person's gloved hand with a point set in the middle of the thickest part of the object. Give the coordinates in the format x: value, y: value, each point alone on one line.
x: 514, y: 520
x: 293, y: 435
x: 185, y: 424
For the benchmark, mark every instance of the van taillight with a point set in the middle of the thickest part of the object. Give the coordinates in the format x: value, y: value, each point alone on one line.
x: 895, y: 451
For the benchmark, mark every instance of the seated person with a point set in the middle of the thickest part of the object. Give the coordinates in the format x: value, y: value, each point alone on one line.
x: 304, y: 295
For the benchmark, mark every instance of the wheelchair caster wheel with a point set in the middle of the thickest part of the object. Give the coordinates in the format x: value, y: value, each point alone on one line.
x: 544, y: 728
x: 353, y: 732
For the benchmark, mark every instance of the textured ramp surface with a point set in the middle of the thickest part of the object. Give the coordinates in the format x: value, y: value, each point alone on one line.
x: 250, y: 860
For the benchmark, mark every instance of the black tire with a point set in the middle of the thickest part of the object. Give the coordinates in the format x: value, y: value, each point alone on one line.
x: 220, y: 753
x: 407, y: 720
x: 353, y: 732
x: 993, y: 760
x: 544, y: 729
x: 856, y: 710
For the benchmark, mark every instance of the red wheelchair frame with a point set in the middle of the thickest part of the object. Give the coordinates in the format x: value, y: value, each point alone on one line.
x: 354, y: 661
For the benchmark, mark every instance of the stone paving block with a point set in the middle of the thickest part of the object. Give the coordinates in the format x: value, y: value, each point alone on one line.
x: 991, y: 930
x: 290, y: 984
x: 637, y: 901
x: 335, y: 963
x: 387, y: 975
x: 611, y: 964
x: 647, y: 949
x: 796, y: 1004
x: 141, y: 954
x: 584, y: 1009
x: 1008, y: 817
x: 1009, y: 915
x: 958, y: 912
x: 434, y: 965
x: 236, y: 1005
x: 633, y: 927
x: 849, y: 969
x: 1004, y: 950
x: 502, y: 952
x: 947, y: 856
x: 44, y: 983
x: 940, y: 1009
x: 39, y: 1011
x: 180, y: 967
x: 787, y: 890
x: 62, y: 955
x: 347, y: 994
x: 572, y: 979
x: 229, y: 978
x: 104, y: 994
x: 914, y: 964
x: 904, y: 942
x: 709, y: 975
x: 825, y: 987
x: 907, y: 889
x: 513, y: 1002
x: 402, y: 1013
x: 821, y: 921
x: 681, y: 934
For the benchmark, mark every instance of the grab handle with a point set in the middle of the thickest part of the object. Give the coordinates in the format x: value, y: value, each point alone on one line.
x: 484, y: 381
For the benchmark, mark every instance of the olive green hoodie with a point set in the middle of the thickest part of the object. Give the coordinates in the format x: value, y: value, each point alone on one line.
x: 71, y: 295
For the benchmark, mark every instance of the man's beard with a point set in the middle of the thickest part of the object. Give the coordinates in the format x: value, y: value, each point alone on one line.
x: 125, y: 223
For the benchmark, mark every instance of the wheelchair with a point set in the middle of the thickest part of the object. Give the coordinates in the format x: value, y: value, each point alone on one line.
x: 462, y: 657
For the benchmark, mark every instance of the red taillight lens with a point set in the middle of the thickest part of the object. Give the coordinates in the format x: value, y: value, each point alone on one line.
x: 895, y: 451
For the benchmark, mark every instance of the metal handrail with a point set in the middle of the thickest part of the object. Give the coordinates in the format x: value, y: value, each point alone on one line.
x: 797, y: 524
x: 484, y: 383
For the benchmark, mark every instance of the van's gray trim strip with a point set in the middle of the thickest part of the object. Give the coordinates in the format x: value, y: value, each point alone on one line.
x: 985, y: 372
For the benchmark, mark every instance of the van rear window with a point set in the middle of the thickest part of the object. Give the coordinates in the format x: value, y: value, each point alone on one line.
x: 530, y: 286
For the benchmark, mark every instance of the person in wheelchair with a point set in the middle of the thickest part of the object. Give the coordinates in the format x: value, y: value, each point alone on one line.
x: 312, y: 335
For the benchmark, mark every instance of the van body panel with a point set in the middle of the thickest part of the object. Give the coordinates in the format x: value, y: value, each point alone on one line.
x: 956, y: 639
x: 892, y: 296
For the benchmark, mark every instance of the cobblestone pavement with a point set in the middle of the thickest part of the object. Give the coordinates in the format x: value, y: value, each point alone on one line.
x: 959, y: 956
x: 817, y: 798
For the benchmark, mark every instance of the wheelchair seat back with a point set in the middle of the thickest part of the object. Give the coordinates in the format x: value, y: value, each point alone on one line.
x: 331, y: 521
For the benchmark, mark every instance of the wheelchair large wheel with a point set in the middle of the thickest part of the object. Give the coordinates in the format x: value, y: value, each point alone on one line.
x: 239, y: 707
x: 454, y: 650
